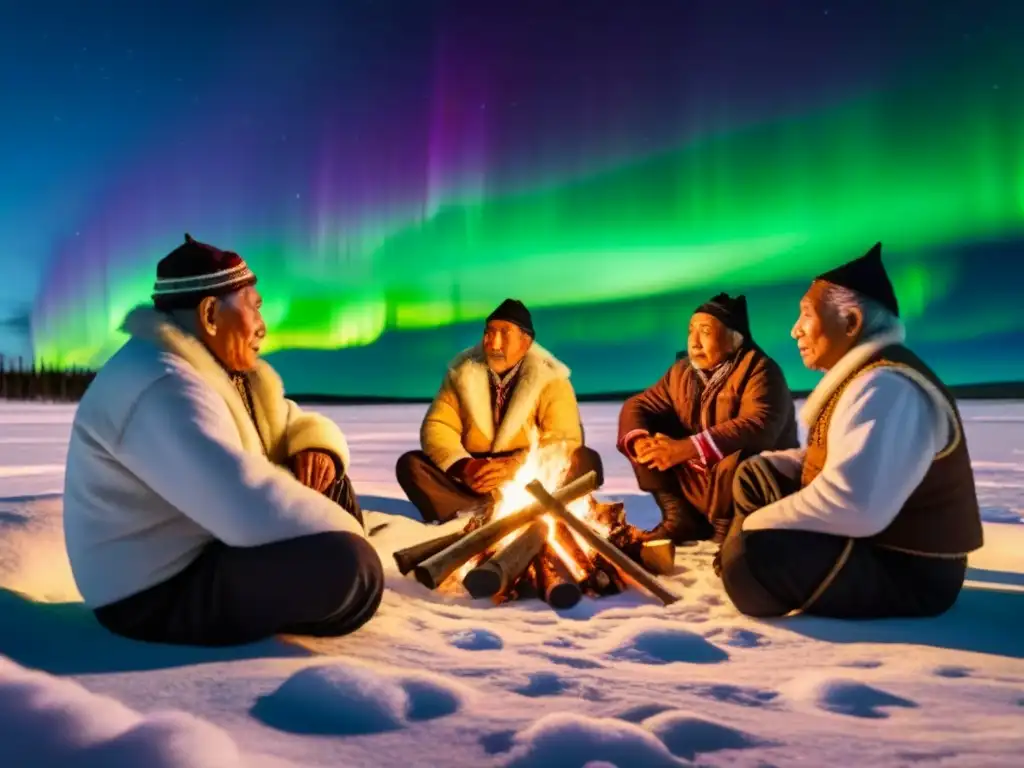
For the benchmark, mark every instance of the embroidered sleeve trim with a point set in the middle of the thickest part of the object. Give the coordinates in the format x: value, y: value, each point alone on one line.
x: 707, y: 449
x: 626, y: 444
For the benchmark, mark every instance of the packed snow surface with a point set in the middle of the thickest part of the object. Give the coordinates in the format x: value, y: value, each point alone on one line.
x: 438, y: 679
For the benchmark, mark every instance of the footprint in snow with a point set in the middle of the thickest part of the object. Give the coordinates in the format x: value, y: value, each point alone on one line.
x: 475, y: 672
x: 952, y: 672
x: 863, y: 664
x: 847, y: 697
x: 739, y: 638
x: 476, y: 640
x: 544, y: 684
x: 568, y: 661
x: 667, y: 646
x: 498, y: 742
x: 733, y: 694
x: 561, y: 642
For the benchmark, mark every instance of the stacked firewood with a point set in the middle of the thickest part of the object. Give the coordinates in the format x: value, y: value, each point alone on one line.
x: 543, y: 551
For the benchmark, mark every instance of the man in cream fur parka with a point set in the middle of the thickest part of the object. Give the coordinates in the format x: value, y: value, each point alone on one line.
x: 201, y: 506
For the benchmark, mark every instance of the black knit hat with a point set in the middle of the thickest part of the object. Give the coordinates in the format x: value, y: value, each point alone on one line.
x: 730, y: 310
x: 515, y: 312
x: 867, y: 276
x: 195, y: 270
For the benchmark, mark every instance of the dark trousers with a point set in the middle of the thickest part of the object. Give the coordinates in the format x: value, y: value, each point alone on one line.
x: 695, y: 492
x: 325, y: 585
x: 769, y: 573
x: 439, y: 497
x: 703, y: 495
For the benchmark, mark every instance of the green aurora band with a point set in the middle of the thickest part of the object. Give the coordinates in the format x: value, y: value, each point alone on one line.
x: 617, y: 259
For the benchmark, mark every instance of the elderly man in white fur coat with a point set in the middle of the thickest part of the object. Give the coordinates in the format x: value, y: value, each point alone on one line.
x: 200, y: 505
x: 476, y: 433
x: 876, y: 516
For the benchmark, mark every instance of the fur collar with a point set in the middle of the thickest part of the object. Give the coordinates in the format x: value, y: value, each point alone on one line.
x: 157, y: 328
x: 470, y: 377
x: 850, y: 362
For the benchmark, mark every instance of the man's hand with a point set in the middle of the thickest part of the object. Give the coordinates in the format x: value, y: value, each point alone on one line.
x: 663, y: 453
x: 484, y: 475
x: 314, y: 469
x: 644, y: 443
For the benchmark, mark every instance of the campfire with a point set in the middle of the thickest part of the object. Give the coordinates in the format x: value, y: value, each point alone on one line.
x: 531, y: 542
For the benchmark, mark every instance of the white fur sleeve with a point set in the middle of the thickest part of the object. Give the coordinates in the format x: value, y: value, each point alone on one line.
x: 307, y: 430
x: 883, y: 436
x: 184, y: 445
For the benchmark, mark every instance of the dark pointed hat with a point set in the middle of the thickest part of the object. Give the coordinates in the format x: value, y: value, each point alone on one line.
x: 730, y: 310
x: 867, y: 276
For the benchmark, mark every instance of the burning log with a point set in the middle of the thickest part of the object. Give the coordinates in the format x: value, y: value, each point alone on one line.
x: 436, y: 568
x: 503, y: 569
x: 565, y: 540
x: 622, y: 563
x: 525, y: 587
x: 554, y: 581
x: 408, y: 558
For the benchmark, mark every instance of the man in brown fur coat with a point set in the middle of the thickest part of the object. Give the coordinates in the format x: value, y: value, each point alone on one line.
x: 686, y: 434
x: 477, y: 431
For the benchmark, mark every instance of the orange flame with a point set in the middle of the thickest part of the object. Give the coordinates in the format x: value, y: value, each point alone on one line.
x: 549, y: 464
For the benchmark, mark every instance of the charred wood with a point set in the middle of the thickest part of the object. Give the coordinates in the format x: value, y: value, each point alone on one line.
x: 554, y: 581
x: 505, y: 567
x: 627, y: 568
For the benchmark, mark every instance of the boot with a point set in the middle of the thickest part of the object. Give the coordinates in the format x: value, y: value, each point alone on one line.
x: 679, y: 522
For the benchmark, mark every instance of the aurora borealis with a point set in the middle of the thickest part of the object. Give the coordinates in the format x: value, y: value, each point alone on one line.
x: 392, y: 176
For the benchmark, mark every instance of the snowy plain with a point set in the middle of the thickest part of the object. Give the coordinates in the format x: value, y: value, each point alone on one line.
x: 437, y: 679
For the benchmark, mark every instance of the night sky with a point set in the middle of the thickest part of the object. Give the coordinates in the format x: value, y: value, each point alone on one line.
x: 393, y: 169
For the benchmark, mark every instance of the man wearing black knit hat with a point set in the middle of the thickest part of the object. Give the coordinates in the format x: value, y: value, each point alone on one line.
x: 201, y: 506
x: 876, y: 516
x: 685, y: 435
x: 495, y: 398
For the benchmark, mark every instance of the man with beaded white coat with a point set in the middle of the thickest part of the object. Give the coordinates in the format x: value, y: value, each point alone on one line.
x: 876, y: 516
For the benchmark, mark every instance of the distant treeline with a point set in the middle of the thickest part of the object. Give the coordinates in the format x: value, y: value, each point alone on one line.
x: 38, y: 381
x: 1008, y: 390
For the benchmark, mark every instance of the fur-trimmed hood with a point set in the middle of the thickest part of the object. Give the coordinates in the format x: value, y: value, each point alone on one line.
x: 850, y: 362
x: 856, y: 358
x: 470, y: 378
x: 278, y: 431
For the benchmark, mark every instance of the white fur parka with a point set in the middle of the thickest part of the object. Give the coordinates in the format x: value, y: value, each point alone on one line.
x: 164, y: 458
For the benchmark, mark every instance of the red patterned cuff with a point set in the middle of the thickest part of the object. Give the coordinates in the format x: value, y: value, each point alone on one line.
x: 626, y: 443
x: 706, y: 449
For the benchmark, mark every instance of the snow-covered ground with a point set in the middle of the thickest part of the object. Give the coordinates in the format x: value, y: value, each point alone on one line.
x: 440, y: 680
